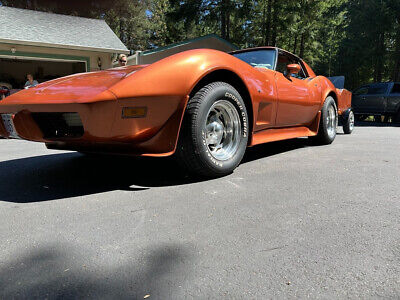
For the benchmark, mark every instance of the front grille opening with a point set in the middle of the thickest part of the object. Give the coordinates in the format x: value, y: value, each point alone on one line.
x: 59, y: 125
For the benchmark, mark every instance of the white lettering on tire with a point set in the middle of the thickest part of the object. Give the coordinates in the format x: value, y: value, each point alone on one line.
x: 243, y: 114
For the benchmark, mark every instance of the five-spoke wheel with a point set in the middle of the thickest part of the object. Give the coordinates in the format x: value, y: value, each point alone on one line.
x: 223, y: 130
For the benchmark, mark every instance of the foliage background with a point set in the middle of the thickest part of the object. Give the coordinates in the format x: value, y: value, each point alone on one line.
x: 356, y: 38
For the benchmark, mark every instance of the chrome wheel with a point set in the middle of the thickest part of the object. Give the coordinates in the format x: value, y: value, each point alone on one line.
x: 351, y: 121
x: 331, y: 121
x: 223, y: 129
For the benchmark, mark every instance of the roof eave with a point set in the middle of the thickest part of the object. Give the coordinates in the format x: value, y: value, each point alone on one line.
x: 60, y: 46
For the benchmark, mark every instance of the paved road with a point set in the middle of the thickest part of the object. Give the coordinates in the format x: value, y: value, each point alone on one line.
x: 293, y: 221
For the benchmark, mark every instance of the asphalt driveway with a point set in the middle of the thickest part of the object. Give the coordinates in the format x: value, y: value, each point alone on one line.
x: 293, y: 221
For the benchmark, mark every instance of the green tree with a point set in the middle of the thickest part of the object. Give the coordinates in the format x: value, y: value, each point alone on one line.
x: 159, y: 11
x: 356, y: 38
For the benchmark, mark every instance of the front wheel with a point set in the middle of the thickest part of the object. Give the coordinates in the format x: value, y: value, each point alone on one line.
x: 214, y: 131
x: 328, y: 123
x: 348, y: 125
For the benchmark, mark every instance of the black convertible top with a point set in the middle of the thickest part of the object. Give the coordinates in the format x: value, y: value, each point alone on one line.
x: 337, y: 81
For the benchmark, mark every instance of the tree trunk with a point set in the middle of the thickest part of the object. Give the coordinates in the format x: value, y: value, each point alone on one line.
x: 223, y: 23
x: 263, y: 30
x: 225, y: 5
x: 228, y: 25
x: 295, y: 44
x: 274, y: 21
x: 302, y: 44
x: 380, y: 53
x: 268, y: 25
x: 122, y: 32
x: 396, y: 69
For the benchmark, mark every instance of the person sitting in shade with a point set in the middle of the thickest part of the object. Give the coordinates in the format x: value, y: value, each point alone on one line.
x: 31, y: 82
x: 122, y: 60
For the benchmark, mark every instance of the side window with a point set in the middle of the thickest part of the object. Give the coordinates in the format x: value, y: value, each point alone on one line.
x: 284, y: 60
x: 377, y: 89
x: 302, y: 73
x: 396, y: 89
x: 361, y: 91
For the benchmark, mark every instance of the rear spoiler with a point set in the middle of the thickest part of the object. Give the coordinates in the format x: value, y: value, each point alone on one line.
x: 337, y: 81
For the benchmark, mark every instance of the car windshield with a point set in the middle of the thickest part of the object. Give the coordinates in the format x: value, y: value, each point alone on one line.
x: 258, y: 58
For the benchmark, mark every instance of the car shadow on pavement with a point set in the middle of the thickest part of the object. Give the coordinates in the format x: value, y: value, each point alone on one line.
x: 65, y: 175
x: 274, y: 148
x: 56, y: 272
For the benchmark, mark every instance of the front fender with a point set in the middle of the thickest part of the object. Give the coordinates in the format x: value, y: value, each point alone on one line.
x: 179, y: 73
x: 171, y: 80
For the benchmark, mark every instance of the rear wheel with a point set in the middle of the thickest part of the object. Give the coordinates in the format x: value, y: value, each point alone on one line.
x: 348, y: 125
x: 328, y: 123
x: 214, y: 131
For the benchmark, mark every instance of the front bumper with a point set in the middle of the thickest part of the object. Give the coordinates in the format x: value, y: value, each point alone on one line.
x: 104, y: 127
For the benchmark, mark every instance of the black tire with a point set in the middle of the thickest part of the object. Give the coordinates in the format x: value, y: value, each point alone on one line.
x: 326, y: 134
x: 348, y: 124
x: 194, y: 150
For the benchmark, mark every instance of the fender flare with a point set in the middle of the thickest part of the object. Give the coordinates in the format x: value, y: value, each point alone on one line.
x: 346, y: 113
x: 344, y: 116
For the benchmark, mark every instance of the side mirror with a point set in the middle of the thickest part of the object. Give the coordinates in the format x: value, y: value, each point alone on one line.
x: 292, y: 69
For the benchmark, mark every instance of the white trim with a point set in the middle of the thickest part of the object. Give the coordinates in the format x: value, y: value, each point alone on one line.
x: 43, y: 59
x: 62, y: 46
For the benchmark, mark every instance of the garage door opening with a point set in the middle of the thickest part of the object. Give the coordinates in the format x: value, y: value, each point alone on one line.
x: 13, y: 71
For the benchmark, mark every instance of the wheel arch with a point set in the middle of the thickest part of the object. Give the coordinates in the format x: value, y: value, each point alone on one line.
x: 334, y: 96
x: 328, y: 89
x: 233, y: 79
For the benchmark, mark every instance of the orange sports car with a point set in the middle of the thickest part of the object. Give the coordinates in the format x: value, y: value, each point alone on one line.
x: 203, y: 105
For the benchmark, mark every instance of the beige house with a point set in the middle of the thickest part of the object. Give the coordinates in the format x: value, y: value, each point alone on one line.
x: 211, y: 41
x: 50, y: 45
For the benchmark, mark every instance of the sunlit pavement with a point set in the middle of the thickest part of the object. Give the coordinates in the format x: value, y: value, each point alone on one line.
x: 294, y: 220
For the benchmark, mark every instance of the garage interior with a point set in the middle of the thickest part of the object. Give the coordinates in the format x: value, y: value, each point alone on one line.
x: 13, y: 71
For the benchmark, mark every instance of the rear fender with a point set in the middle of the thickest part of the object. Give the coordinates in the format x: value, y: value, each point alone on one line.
x: 328, y: 89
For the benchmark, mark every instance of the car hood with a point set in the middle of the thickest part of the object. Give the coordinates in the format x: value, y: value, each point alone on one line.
x: 77, y: 88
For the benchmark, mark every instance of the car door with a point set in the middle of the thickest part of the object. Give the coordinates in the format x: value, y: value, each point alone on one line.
x: 265, y: 101
x: 295, y: 97
x: 358, y: 100
x: 374, y: 102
